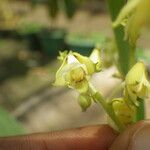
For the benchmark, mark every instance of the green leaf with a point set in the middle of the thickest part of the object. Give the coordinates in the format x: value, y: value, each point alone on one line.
x: 53, y: 8
x: 70, y: 7
x: 8, y: 125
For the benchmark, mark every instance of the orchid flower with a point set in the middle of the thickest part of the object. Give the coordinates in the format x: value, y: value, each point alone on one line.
x: 134, y: 16
x: 136, y: 83
x: 76, y: 70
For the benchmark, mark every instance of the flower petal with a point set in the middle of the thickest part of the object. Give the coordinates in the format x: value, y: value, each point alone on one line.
x: 126, y: 11
x: 59, y: 78
x: 96, y: 59
x: 135, y: 74
x: 86, y: 61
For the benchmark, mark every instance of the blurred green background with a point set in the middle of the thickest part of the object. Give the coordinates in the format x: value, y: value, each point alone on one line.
x: 32, y: 32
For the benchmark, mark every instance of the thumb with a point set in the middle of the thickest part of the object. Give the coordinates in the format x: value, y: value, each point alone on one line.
x: 136, y: 137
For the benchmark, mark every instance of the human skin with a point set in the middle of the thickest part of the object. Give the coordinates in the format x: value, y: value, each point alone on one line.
x: 100, y: 137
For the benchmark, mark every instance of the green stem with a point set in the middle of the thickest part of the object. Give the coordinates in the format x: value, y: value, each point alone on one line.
x: 126, y: 52
x: 140, y: 111
x: 122, y: 45
x: 107, y: 107
x: 132, y: 55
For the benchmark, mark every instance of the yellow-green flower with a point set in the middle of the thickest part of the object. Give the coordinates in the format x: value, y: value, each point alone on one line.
x: 72, y: 74
x: 123, y: 111
x: 135, y: 15
x: 76, y: 70
x: 136, y: 83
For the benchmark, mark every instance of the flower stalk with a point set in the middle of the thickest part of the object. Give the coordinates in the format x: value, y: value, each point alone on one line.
x: 107, y: 107
x: 76, y: 70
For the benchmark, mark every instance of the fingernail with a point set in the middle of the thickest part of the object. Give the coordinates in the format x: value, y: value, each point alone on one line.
x: 141, y: 139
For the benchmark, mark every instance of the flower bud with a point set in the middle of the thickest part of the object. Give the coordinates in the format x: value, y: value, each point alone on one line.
x: 84, y: 101
x: 123, y: 111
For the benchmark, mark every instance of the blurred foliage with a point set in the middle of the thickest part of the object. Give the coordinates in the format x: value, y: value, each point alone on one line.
x: 88, y: 39
x: 84, y: 43
x: 52, y: 8
x: 26, y: 28
x: 144, y: 55
x: 70, y: 7
x: 55, y: 6
x: 8, y: 125
x: 8, y: 17
x: 109, y: 54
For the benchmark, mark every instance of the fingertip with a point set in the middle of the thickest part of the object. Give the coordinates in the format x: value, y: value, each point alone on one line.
x: 98, y: 137
x: 133, y: 136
